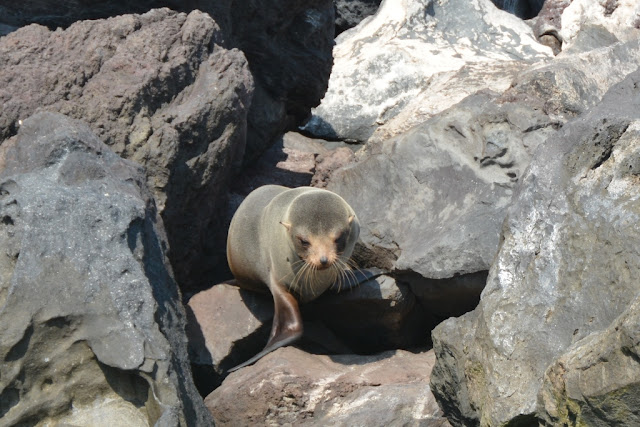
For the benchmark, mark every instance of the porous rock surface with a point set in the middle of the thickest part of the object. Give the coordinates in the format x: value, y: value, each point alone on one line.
x: 92, y: 323
x: 287, y: 43
x: 158, y: 89
x: 290, y: 386
x: 566, y: 268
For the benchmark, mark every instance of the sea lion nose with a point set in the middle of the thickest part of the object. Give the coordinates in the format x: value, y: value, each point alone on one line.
x: 324, y: 260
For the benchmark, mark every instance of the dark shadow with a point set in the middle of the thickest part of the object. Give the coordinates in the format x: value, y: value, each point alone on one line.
x: 169, y: 314
x: 523, y: 9
x: 133, y: 388
x: 444, y: 298
x: 264, y: 171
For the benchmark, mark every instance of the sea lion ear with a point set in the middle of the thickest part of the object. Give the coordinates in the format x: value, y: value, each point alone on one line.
x: 351, y: 219
x: 286, y: 225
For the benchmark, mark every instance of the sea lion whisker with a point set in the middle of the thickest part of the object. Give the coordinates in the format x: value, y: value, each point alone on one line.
x: 340, y: 279
x: 349, y: 275
x: 299, y: 279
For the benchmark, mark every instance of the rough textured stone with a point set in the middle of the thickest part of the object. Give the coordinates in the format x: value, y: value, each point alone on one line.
x: 227, y: 325
x: 597, y: 381
x: 566, y: 267
x: 159, y: 90
x: 349, y: 13
x: 329, y: 162
x: 548, y: 23
x: 398, y: 54
x: 63, y: 14
x: 289, y: 386
x: 288, y: 45
x: 93, y: 326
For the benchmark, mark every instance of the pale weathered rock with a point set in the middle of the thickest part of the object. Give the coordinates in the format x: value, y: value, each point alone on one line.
x: 621, y: 18
x: 597, y: 381
x: 405, y: 49
x: 566, y: 267
x: 92, y: 322
x: 160, y: 90
x: 290, y: 386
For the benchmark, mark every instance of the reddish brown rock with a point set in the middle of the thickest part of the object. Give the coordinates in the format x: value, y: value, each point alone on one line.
x: 222, y: 318
x: 290, y: 386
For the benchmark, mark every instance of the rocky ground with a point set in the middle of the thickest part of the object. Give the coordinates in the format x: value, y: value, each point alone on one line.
x: 493, y: 162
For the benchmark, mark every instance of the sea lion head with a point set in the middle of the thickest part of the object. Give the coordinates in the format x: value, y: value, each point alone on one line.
x: 323, y: 229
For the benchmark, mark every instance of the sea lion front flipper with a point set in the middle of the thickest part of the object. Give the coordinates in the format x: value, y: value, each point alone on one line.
x: 286, y: 327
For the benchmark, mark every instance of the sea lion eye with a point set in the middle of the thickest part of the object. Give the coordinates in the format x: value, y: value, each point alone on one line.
x: 304, y: 242
x: 340, y: 240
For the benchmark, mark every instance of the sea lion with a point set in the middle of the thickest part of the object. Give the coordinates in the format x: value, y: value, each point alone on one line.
x: 295, y: 243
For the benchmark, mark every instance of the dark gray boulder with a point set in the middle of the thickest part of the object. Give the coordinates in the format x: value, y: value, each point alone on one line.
x: 289, y: 49
x: 349, y: 13
x: 567, y: 264
x: 160, y: 90
x: 93, y: 325
x: 524, y: 9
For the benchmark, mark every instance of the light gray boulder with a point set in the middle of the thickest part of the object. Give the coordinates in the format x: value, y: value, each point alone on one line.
x: 567, y: 264
x: 92, y: 322
x: 407, y: 51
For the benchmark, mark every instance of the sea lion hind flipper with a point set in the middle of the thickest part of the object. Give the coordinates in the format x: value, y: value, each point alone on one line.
x: 286, y: 327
